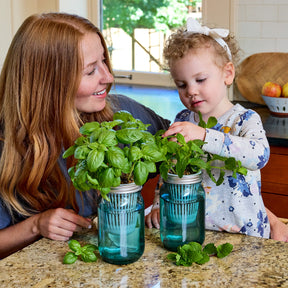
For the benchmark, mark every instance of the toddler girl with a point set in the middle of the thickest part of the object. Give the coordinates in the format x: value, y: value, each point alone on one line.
x: 202, y: 64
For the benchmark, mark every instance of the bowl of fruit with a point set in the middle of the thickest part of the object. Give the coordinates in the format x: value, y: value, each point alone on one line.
x: 276, y: 98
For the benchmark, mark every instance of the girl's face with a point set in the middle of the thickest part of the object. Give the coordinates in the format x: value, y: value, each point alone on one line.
x: 201, y: 83
x: 91, y: 94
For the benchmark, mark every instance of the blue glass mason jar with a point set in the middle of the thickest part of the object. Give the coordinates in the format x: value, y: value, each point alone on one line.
x: 121, y: 230
x: 182, y: 211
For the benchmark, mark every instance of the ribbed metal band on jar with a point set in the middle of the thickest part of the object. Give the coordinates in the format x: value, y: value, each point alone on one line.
x: 186, y: 179
x: 126, y: 188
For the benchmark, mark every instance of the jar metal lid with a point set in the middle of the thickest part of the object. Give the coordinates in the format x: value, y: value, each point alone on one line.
x: 186, y: 179
x: 126, y: 188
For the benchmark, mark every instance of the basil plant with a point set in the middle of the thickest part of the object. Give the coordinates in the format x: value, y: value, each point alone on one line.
x: 112, y: 153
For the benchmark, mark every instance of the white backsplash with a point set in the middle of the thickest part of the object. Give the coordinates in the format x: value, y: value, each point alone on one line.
x: 262, y: 26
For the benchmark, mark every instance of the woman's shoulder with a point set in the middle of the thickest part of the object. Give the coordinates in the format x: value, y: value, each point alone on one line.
x: 184, y: 115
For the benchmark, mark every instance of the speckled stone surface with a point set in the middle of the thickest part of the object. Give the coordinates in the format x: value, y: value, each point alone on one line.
x: 254, y: 262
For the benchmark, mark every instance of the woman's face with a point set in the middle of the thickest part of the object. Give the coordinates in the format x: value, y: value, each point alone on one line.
x: 91, y: 94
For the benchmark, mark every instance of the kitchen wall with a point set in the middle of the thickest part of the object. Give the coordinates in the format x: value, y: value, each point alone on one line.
x: 262, y: 26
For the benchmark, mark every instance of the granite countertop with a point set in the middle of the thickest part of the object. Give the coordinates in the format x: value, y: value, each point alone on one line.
x: 254, y: 262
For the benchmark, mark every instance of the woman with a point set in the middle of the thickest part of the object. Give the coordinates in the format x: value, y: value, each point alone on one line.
x: 56, y: 76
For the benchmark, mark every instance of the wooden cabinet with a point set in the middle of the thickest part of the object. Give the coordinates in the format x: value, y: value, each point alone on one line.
x: 275, y: 182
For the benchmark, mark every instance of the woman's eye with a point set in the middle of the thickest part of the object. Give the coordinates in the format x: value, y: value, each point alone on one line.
x: 200, y: 80
x: 92, y: 72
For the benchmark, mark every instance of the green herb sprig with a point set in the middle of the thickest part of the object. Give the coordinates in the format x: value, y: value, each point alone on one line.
x: 192, y: 252
x: 184, y: 158
x: 86, y: 253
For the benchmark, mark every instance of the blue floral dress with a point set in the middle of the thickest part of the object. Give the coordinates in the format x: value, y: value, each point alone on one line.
x: 236, y: 205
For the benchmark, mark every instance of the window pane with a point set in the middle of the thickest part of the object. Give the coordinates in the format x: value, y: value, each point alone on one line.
x: 135, y: 31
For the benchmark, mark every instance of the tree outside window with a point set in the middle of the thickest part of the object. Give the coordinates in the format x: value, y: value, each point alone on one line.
x: 136, y: 30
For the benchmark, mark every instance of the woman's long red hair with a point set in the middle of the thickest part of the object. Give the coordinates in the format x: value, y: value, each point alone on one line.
x: 38, y: 118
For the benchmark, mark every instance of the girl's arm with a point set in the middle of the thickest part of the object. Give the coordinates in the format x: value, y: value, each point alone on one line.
x: 55, y: 224
x: 245, y: 140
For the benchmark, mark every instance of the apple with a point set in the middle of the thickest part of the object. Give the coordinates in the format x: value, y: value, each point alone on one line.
x: 272, y: 89
x: 285, y: 90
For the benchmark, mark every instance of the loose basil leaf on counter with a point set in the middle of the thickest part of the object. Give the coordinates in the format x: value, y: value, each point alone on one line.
x: 86, y: 252
x: 70, y: 258
x: 192, y: 253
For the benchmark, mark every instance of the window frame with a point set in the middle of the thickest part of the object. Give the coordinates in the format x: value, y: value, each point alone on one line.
x: 209, y: 16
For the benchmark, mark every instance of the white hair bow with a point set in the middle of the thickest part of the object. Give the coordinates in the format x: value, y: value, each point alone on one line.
x: 217, y: 34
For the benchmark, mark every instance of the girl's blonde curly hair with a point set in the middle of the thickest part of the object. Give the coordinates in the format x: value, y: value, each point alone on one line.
x: 182, y: 42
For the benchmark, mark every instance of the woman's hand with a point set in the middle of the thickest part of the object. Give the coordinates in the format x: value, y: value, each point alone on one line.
x: 189, y: 130
x: 59, y: 224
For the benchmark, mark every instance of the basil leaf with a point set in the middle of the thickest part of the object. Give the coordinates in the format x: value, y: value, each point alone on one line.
x: 224, y: 250
x: 81, y: 174
x: 88, y: 256
x: 81, y: 141
x: 205, y: 258
x: 140, y: 173
x: 210, y: 249
x: 134, y: 153
x: 115, y: 157
x: 123, y: 115
x: 81, y: 152
x: 172, y: 146
x: 89, y: 127
x: 92, y: 180
x: 108, y: 138
x: 106, y: 177
x: 94, y: 159
x: 180, y: 139
x: 151, y: 166
x: 69, y: 152
x: 75, y: 246
x: 111, y: 124
x: 69, y: 258
x: 89, y: 247
x: 151, y: 153
x: 128, y: 135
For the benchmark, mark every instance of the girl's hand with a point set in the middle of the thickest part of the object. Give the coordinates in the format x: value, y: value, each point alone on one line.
x: 279, y: 231
x: 59, y: 224
x: 189, y: 130
x: 153, y: 219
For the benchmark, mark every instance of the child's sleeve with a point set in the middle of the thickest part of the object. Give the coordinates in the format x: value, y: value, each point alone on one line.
x: 245, y: 141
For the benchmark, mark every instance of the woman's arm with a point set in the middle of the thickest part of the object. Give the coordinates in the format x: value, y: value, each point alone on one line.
x: 55, y: 224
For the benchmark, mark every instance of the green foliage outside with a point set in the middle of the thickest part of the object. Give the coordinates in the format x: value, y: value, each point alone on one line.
x: 162, y: 15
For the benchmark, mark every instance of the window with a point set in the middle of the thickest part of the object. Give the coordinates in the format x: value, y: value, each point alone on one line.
x: 221, y: 13
x: 135, y: 34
